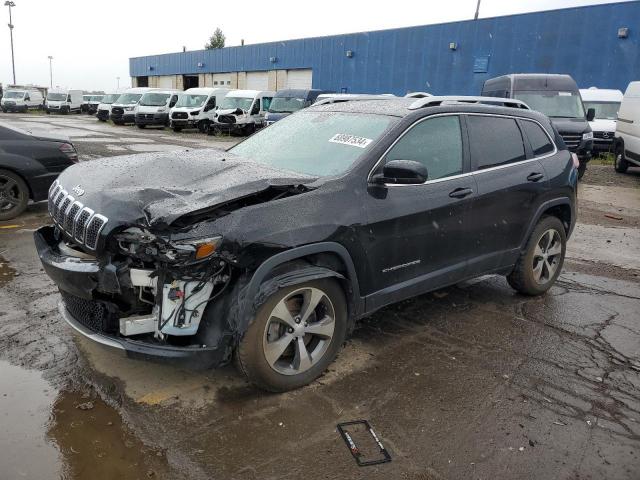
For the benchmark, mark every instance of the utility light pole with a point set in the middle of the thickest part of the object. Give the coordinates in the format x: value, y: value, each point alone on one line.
x: 477, y: 10
x: 50, y: 71
x: 10, y: 3
x: 118, y: 79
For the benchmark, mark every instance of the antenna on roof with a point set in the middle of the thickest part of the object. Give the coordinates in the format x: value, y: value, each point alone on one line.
x: 477, y: 10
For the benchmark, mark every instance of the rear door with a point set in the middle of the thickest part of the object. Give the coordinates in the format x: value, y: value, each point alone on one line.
x: 511, y: 183
x: 416, y: 233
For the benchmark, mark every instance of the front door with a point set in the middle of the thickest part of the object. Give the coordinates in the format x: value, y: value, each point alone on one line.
x: 415, y: 234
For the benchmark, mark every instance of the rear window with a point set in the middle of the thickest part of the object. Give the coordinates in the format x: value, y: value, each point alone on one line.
x: 539, y: 140
x: 495, y: 141
x: 315, y: 143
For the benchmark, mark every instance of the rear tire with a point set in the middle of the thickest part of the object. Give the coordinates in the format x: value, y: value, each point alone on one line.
x: 14, y: 195
x: 620, y: 163
x: 279, y: 354
x: 541, y: 263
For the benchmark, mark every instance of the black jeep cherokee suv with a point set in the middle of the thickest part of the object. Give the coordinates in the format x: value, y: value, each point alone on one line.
x: 270, y: 251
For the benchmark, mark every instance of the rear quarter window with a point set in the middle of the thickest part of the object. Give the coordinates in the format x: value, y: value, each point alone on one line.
x: 539, y: 140
x: 494, y: 141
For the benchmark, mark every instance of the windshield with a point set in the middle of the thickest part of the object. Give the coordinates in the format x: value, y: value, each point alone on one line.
x: 13, y: 94
x: 243, y: 103
x: 154, y: 99
x: 57, y: 97
x: 286, y: 104
x: 604, y: 110
x: 86, y: 98
x: 553, y: 104
x: 111, y: 98
x: 127, y: 98
x: 191, y: 101
x: 96, y: 98
x: 315, y: 143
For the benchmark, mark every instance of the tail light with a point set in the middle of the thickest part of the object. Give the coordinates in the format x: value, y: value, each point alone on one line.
x: 70, y: 151
x: 576, y: 160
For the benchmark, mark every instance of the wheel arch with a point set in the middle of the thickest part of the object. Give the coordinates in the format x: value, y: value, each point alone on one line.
x: 299, y: 265
x: 17, y: 173
x: 562, y: 208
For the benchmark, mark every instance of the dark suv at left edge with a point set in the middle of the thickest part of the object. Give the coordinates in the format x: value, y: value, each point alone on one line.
x: 29, y: 164
x: 268, y: 253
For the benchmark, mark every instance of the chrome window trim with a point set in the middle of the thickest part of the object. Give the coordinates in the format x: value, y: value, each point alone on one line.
x: 461, y: 175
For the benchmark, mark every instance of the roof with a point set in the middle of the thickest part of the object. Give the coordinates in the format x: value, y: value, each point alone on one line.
x: 600, y: 95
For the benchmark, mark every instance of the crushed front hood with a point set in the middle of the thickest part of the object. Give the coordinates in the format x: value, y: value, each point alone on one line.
x: 155, y: 189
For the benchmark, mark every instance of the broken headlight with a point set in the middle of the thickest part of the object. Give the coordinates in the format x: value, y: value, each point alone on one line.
x: 139, y: 242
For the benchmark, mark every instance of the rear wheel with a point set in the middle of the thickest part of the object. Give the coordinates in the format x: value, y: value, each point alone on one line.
x: 621, y: 165
x: 295, y: 335
x: 539, y: 266
x: 14, y: 195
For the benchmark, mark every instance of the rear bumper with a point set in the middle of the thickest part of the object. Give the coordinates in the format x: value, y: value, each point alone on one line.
x: 85, y: 278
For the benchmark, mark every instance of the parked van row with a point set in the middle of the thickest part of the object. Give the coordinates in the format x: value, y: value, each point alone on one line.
x: 21, y: 100
x: 627, y: 137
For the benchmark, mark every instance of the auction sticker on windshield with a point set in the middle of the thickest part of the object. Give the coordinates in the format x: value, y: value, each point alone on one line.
x: 352, y: 140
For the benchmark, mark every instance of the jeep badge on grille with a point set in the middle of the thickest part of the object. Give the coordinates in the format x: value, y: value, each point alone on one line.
x: 78, y: 190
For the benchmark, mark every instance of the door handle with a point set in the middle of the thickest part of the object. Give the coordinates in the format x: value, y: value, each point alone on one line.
x: 535, y: 177
x: 461, y: 192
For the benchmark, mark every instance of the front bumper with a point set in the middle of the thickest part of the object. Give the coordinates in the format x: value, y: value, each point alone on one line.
x: 184, y: 122
x: 123, y: 118
x: 151, y: 118
x: 12, y: 107
x: 84, y: 280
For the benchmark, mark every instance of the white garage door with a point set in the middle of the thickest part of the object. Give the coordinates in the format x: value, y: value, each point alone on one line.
x: 165, y: 81
x: 221, y: 80
x: 301, y: 79
x: 257, y: 81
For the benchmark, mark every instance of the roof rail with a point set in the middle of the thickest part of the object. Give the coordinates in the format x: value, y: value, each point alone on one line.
x: 496, y: 101
x: 340, y: 99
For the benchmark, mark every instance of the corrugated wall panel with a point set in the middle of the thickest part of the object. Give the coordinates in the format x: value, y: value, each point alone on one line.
x: 580, y: 41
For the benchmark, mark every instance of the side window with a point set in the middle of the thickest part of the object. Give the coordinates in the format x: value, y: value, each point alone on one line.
x: 494, y: 141
x: 436, y: 143
x: 540, y: 143
x: 256, y: 107
x: 266, y: 102
x: 69, y: 98
x: 173, y: 101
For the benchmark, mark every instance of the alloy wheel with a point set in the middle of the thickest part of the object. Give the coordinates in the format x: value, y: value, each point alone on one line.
x: 546, y: 256
x: 299, y: 331
x: 10, y: 194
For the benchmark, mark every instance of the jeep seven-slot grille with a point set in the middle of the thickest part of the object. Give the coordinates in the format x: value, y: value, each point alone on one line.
x: 73, y: 218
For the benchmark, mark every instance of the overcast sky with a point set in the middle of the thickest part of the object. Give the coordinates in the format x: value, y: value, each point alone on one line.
x: 91, y: 41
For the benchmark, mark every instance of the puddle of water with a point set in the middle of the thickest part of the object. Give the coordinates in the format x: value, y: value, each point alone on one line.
x: 6, y: 272
x: 49, y: 434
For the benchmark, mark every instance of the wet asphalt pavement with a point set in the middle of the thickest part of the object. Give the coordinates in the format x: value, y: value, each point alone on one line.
x: 473, y: 381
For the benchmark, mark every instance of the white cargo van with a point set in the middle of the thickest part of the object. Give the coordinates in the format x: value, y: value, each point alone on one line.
x: 63, y: 101
x: 627, y: 142
x: 123, y: 110
x: 104, y: 107
x: 21, y: 100
x: 243, y: 111
x: 94, y: 101
x: 196, y: 108
x: 85, y: 103
x: 153, y: 108
x: 605, y: 103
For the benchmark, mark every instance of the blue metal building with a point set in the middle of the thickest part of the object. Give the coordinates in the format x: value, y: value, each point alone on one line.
x: 597, y: 45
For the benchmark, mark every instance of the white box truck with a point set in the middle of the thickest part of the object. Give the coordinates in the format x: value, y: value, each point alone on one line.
x: 62, y: 100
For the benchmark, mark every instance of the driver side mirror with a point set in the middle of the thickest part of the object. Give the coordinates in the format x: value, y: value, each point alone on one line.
x: 401, y: 172
x: 591, y: 114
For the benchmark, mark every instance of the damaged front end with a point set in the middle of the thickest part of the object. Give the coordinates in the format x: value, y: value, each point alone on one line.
x: 146, y: 297
x: 141, y: 275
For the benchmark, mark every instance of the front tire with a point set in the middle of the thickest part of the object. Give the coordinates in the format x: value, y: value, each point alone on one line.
x: 621, y: 165
x: 541, y: 263
x: 203, y: 126
x: 140, y: 126
x: 295, y: 335
x: 177, y: 129
x: 14, y: 195
x: 581, y: 169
